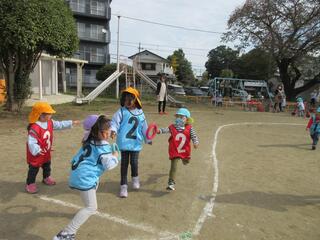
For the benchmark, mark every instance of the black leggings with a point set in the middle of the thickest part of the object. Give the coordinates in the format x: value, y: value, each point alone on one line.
x: 33, y: 171
x: 126, y: 157
x: 163, y: 106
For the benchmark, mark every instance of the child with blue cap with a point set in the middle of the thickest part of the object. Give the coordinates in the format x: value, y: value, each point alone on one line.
x: 182, y: 134
x: 314, y: 128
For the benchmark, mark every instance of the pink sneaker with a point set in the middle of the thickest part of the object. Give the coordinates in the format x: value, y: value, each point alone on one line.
x: 49, y: 181
x: 31, y: 188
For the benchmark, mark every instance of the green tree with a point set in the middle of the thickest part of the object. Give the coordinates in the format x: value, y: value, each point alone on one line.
x: 226, y: 73
x: 288, y: 29
x: 183, y: 69
x: 256, y: 64
x: 219, y: 58
x: 106, y: 71
x: 28, y: 28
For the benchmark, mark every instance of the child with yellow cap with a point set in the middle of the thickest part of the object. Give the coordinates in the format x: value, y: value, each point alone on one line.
x: 39, y: 143
x: 182, y: 134
x: 130, y: 125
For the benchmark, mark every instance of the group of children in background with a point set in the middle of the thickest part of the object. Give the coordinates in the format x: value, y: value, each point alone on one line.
x: 97, y: 155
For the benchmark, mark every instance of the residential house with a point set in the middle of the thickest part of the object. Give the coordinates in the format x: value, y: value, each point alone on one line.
x: 153, y: 65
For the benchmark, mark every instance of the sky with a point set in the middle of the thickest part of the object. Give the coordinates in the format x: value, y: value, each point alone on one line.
x: 210, y: 15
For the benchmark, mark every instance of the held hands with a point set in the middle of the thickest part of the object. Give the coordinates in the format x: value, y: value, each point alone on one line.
x: 76, y: 122
x: 115, y: 154
x: 113, y: 135
x: 158, y: 98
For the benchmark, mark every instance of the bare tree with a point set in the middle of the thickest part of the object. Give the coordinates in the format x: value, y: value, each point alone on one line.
x: 288, y: 29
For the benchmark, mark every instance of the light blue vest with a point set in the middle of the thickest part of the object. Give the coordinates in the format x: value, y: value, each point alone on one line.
x: 315, y: 127
x: 130, y: 136
x: 86, y: 166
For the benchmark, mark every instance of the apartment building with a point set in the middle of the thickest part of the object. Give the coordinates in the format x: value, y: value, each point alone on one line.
x: 92, y: 19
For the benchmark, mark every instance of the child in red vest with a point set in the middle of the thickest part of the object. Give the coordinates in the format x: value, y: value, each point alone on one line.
x: 182, y: 134
x: 40, y: 138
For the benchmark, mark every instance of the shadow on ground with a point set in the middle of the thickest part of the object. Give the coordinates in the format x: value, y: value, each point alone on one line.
x: 270, y: 201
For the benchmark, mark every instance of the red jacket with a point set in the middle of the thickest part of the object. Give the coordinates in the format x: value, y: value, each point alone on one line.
x: 179, y: 143
x: 44, y: 138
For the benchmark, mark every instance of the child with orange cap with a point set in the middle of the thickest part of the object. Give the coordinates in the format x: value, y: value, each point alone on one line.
x: 182, y: 134
x: 40, y: 137
x: 130, y: 125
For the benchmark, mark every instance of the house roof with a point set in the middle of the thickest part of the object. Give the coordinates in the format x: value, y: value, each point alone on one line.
x: 147, y: 51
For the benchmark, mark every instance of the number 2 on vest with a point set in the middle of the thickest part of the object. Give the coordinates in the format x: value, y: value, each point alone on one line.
x: 131, y: 132
x: 181, y: 137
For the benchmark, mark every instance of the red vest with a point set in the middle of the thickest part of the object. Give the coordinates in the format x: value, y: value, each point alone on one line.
x: 179, y: 143
x: 44, y: 138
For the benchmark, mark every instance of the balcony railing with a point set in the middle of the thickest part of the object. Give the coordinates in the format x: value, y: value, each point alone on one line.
x: 90, y: 10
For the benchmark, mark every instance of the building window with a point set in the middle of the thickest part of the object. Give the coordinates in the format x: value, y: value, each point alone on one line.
x: 148, y: 66
x: 78, y: 5
x: 81, y: 29
x: 97, y: 8
x: 97, y: 55
x: 96, y: 32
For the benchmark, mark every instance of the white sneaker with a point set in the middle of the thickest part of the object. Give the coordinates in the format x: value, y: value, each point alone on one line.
x: 64, y: 236
x: 123, y: 191
x: 135, y: 183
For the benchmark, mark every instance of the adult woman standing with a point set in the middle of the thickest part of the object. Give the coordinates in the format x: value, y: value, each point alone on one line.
x: 162, y: 94
x: 279, y: 95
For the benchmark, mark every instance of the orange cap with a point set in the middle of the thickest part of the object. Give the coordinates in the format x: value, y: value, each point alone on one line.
x: 135, y: 92
x: 39, y: 108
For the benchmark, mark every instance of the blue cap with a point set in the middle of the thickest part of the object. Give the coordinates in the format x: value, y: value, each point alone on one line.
x: 185, y: 112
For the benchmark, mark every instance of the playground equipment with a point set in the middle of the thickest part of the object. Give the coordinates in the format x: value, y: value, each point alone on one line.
x: 234, y: 87
x: 102, y: 86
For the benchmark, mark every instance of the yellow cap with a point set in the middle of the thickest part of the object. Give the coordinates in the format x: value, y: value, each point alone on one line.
x: 135, y: 92
x: 39, y: 108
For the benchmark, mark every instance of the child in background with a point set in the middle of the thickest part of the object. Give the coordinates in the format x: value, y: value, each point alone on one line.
x: 314, y: 128
x: 301, y: 107
x: 92, y: 160
x: 179, y: 142
x: 130, y: 125
x: 40, y: 139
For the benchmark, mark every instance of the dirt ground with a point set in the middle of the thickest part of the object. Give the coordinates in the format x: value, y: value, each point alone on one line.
x: 266, y: 177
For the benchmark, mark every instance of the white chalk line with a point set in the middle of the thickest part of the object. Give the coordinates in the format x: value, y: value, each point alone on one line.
x: 208, y: 208
x: 139, y: 226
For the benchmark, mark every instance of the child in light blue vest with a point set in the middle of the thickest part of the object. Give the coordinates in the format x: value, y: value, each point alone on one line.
x: 130, y: 125
x: 94, y: 158
x: 314, y: 128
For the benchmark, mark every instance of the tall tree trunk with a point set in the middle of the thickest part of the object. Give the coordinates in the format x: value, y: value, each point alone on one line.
x: 11, y: 105
x: 283, y: 66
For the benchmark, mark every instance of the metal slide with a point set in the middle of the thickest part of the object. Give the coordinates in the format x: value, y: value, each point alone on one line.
x: 154, y: 85
x: 99, y: 89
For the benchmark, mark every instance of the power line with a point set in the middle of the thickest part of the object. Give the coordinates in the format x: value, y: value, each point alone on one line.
x: 160, y: 45
x: 168, y: 25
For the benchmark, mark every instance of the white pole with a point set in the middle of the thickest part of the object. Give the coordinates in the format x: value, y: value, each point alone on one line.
x: 40, y: 80
x: 118, y: 57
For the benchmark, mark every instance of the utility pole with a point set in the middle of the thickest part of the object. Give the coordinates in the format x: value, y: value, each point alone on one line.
x: 118, y: 57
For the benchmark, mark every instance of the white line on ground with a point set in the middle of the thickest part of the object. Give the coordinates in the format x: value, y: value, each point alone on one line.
x: 139, y: 226
x: 208, y: 208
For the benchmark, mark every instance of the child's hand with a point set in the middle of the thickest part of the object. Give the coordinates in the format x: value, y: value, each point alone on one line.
x: 158, y: 131
x: 113, y: 135
x: 76, y: 122
x: 195, y: 146
x: 115, y: 154
x: 43, y: 151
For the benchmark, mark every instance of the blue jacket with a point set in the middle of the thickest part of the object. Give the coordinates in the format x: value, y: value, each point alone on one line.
x: 315, y: 127
x: 91, y: 161
x: 131, y: 127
